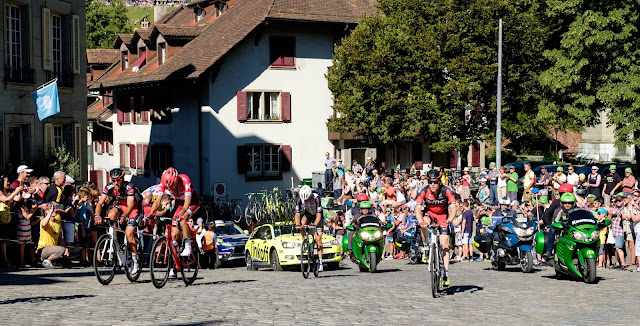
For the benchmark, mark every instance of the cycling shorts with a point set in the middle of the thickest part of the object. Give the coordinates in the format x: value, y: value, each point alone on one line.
x: 176, y: 216
x: 310, y: 219
x: 134, y: 221
x: 437, y: 218
x: 122, y: 208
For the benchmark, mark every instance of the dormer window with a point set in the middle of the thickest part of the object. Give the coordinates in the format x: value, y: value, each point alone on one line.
x: 162, y: 53
x: 199, y: 13
x: 124, y: 58
x: 220, y: 7
x: 142, y: 58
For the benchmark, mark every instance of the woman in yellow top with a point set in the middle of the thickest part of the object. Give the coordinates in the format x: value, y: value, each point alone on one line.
x: 50, y: 237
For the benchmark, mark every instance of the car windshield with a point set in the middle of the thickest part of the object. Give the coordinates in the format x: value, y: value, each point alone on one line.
x: 283, y: 229
x: 227, y: 230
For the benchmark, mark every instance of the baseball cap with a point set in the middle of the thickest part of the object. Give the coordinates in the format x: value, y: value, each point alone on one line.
x: 24, y: 168
x: 627, y: 170
x: 591, y: 196
x: 595, y: 168
x: 511, y: 167
x: 544, y: 200
x: 515, y: 203
x: 560, y: 169
x: 612, y: 167
x: 69, y: 179
x: 465, y: 169
x: 492, y: 164
x: 602, y: 210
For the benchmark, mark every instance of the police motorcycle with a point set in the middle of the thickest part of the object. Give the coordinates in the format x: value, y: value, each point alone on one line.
x: 515, y: 239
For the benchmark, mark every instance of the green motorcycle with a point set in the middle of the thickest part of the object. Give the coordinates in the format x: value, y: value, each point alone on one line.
x: 368, y: 243
x: 576, y: 250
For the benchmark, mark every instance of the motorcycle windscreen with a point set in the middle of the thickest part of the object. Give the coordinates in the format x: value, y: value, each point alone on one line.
x: 369, y: 221
x: 581, y: 217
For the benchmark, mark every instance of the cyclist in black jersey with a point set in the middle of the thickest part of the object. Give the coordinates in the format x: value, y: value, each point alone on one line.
x: 308, y: 208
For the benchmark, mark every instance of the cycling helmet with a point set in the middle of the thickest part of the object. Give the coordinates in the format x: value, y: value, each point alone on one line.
x: 305, y: 192
x: 434, y: 175
x: 169, y: 177
x: 504, y: 201
x: 568, y: 198
x: 116, y: 174
x: 362, y: 197
x: 365, y: 204
x: 565, y: 188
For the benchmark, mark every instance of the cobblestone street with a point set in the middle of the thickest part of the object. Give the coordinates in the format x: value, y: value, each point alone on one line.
x: 346, y: 296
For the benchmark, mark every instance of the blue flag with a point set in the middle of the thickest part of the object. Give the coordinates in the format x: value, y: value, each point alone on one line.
x: 47, y: 100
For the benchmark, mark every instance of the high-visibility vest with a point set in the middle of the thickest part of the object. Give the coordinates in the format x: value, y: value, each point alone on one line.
x: 209, y: 240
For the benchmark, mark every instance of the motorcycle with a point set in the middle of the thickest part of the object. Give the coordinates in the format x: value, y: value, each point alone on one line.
x: 578, y: 243
x: 515, y: 240
x: 411, y: 244
x: 367, y: 244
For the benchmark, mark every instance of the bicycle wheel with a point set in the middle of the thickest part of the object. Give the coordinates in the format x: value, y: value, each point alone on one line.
x: 259, y: 212
x: 237, y: 214
x: 434, y: 268
x: 313, y: 254
x: 104, y: 260
x: 248, y: 214
x: 305, y: 259
x: 129, y: 263
x: 190, y: 264
x: 160, y: 261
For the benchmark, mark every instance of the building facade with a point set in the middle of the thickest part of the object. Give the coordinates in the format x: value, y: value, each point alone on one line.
x: 42, y: 40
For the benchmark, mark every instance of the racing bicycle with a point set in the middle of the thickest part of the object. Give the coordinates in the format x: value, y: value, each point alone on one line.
x: 111, y: 254
x: 308, y: 250
x: 435, y: 263
x: 165, y: 256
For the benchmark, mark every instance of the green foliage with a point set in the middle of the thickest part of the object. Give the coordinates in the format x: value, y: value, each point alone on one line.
x: 105, y: 22
x: 61, y: 159
x: 596, y: 66
x: 427, y: 70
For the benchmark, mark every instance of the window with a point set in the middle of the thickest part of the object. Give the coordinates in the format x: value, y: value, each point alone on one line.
x: 124, y: 58
x: 14, y: 37
x: 141, y: 112
x: 58, y: 136
x: 161, y: 157
x: 282, y: 51
x: 199, y: 14
x: 263, y: 106
x: 162, y: 53
x: 622, y: 151
x: 220, y: 8
x: 102, y: 138
x: 263, y: 161
x: 56, y: 43
x: 19, y: 142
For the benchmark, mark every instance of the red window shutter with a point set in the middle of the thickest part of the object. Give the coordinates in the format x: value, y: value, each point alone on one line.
x: 145, y: 150
x: 108, y: 178
x: 242, y: 105
x: 133, y: 116
x: 144, y: 116
x: 242, y: 159
x: 132, y: 156
x: 288, y: 61
x: 475, y: 154
x: 103, y: 145
x: 93, y: 176
x: 126, y: 116
x: 286, y: 106
x: 453, y: 158
x: 123, y: 153
x: 95, y: 146
x: 120, y: 115
x: 286, y: 158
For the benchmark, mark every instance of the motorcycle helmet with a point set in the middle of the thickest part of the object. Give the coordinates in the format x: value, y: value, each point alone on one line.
x: 568, y: 198
x: 116, y: 174
x: 305, y: 192
x: 365, y: 204
x: 362, y: 197
x: 504, y: 201
x: 169, y: 177
x: 565, y: 188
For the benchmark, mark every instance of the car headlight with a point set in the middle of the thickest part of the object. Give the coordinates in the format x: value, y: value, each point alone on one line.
x: 291, y: 245
x: 578, y: 236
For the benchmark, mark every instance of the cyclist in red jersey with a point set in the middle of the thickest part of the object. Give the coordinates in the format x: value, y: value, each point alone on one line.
x: 124, y: 193
x: 187, y: 201
x: 440, y: 206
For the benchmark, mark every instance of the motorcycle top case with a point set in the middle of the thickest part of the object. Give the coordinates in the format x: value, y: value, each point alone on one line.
x: 483, y: 243
x: 402, y: 243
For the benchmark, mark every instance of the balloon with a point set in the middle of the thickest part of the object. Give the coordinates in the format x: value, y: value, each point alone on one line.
x: 582, y: 177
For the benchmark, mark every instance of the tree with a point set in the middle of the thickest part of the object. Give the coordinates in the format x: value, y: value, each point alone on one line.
x: 105, y: 22
x: 426, y: 70
x: 595, y: 66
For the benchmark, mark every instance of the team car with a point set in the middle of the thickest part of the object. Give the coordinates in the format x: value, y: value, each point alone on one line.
x: 277, y: 246
x: 231, y: 241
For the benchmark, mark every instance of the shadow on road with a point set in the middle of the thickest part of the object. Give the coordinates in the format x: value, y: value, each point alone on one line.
x: 387, y: 270
x: 329, y: 276
x: 209, y: 322
x: 222, y: 283
x: 572, y: 278
x: 43, y: 299
x: 462, y: 288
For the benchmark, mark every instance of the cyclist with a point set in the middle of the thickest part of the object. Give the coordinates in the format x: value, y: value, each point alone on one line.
x: 440, y: 205
x: 126, y: 207
x: 308, y: 207
x: 186, y: 201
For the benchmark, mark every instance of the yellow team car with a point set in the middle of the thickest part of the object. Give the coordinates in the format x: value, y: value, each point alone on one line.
x: 278, y: 245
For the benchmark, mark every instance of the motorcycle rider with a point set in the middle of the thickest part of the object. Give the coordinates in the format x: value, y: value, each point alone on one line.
x: 364, y: 209
x: 560, y: 214
x: 503, y: 211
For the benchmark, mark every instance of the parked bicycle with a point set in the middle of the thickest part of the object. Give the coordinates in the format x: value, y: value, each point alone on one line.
x: 165, y: 256
x: 111, y: 254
